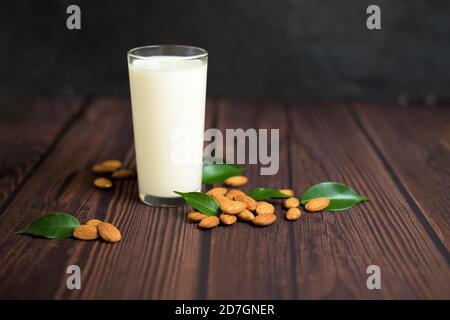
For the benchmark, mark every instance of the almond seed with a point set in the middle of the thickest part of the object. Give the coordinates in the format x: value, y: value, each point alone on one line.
x: 103, y: 183
x: 85, y: 232
x: 291, y: 203
x: 246, y: 215
x: 263, y: 207
x: 209, y: 222
x: 293, y: 214
x: 236, y: 181
x: 195, y: 216
x: 93, y: 222
x: 218, y: 191
x: 317, y: 204
x: 230, y: 206
x: 238, y: 195
x: 288, y: 192
x: 264, y: 220
x: 109, y: 232
x: 123, y: 174
x: 227, y: 219
x: 117, y: 164
x: 99, y: 168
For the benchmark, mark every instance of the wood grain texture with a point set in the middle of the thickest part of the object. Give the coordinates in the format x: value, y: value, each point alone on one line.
x: 29, y: 127
x: 415, y: 142
x: 159, y: 254
x: 162, y: 256
x: 334, y: 249
x: 247, y: 262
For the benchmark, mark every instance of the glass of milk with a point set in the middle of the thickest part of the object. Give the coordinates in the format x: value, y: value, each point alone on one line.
x: 168, y: 91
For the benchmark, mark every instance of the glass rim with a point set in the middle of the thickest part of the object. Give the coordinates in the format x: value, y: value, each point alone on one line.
x: 203, y: 53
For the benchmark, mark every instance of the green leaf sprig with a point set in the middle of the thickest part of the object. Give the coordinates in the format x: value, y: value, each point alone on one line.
x: 201, y: 202
x: 57, y: 225
x: 218, y: 172
x: 341, y: 196
x: 265, y: 193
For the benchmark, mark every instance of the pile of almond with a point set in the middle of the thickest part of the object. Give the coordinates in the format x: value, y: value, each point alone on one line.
x: 236, y: 204
x: 113, y: 170
x: 95, y: 228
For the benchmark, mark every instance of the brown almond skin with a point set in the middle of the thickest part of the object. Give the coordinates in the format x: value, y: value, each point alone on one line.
x: 317, y: 204
x: 246, y: 215
x: 293, y: 214
x: 85, y: 232
x: 288, y: 192
x: 236, y: 181
x: 230, y: 206
x: 93, y: 222
x: 228, y: 219
x: 103, y: 183
x: 109, y: 232
x: 99, y: 168
x: 291, y: 203
x: 218, y: 191
x: 264, y: 207
x: 209, y: 222
x: 251, y: 203
x: 264, y: 220
x: 195, y: 216
x: 232, y: 193
x: 117, y: 164
x: 123, y: 174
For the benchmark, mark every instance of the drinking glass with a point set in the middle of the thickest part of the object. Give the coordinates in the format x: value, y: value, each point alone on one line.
x: 168, y: 92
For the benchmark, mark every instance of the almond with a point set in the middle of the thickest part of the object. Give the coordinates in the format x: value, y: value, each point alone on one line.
x: 230, y: 206
x: 195, y: 216
x: 108, y: 232
x: 246, y: 215
x: 263, y: 220
x: 263, y: 207
x: 117, y: 164
x: 209, y: 222
x: 288, y: 192
x: 293, y: 214
x: 291, y: 203
x: 251, y: 203
x: 233, y: 193
x: 236, y: 181
x: 218, y: 191
x: 317, y: 204
x: 100, y: 168
x: 227, y: 219
x: 103, y: 183
x: 85, y: 232
x: 93, y: 222
x: 123, y: 174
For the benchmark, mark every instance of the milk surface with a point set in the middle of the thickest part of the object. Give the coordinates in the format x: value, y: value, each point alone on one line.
x: 168, y: 104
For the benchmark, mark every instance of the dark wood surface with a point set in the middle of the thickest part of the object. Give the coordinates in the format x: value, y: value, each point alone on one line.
x: 399, y: 156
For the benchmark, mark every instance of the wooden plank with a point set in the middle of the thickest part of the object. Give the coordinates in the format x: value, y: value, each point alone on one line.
x: 333, y: 250
x: 29, y: 127
x: 415, y: 141
x: 158, y: 256
x: 248, y: 262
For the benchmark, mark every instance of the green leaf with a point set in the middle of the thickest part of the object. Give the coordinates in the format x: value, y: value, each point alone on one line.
x: 55, y: 225
x: 218, y: 172
x: 264, y: 193
x: 201, y: 201
x: 342, y: 197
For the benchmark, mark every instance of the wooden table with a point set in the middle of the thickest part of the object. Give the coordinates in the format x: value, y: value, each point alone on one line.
x: 397, y: 155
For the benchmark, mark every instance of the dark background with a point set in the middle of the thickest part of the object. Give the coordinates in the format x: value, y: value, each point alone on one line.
x: 285, y: 49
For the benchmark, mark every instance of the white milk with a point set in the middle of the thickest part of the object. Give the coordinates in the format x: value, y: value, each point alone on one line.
x: 168, y: 103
